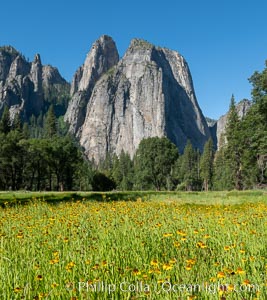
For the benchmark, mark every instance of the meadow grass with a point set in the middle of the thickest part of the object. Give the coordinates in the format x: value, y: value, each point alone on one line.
x: 160, y: 246
x: 227, y: 197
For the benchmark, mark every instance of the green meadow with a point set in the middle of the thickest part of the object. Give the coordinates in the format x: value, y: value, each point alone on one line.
x: 134, y: 245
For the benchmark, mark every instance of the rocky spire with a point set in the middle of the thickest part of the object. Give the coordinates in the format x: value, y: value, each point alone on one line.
x: 102, y: 56
x: 18, y: 67
x: 36, y: 73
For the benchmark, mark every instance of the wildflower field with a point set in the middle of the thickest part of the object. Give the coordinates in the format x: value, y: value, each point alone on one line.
x: 175, y: 246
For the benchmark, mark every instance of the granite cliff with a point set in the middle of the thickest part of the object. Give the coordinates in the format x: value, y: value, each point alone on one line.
x: 102, y: 56
x: 24, y: 85
x: 149, y: 92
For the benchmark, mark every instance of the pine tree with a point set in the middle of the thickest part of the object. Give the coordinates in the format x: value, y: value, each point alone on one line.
x: 26, y: 131
x: 5, y: 123
x: 153, y: 163
x: 222, y: 172
x: 108, y: 165
x: 126, y: 172
x: 189, y: 168
x: 234, y: 145
x: 17, y: 123
x: 255, y: 131
x: 206, y: 164
x: 50, y: 125
x: 84, y: 176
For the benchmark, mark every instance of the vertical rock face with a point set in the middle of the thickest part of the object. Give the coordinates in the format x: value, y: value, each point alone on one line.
x: 22, y: 83
x: 102, y: 56
x: 13, y: 84
x: 184, y: 119
x: 35, y: 100
x: 36, y: 73
x: 7, y: 55
x: 51, y: 76
x: 149, y: 92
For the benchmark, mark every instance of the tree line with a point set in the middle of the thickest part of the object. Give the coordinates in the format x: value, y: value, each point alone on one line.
x: 41, y: 155
x: 45, y: 163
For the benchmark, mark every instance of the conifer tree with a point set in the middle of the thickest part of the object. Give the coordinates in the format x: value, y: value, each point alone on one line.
x: 26, y: 131
x: 234, y: 145
x: 123, y: 172
x: 255, y: 133
x: 17, y: 124
x: 153, y: 162
x: 222, y: 172
x: 5, y: 123
x: 50, y: 125
x: 206, y: 164
x: 189, y: 168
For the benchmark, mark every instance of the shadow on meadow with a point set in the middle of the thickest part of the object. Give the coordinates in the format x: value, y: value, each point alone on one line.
x: 22, y: 197
x: 8, y: 199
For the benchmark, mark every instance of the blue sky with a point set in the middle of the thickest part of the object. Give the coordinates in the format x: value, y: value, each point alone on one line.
x: 224, y: 42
